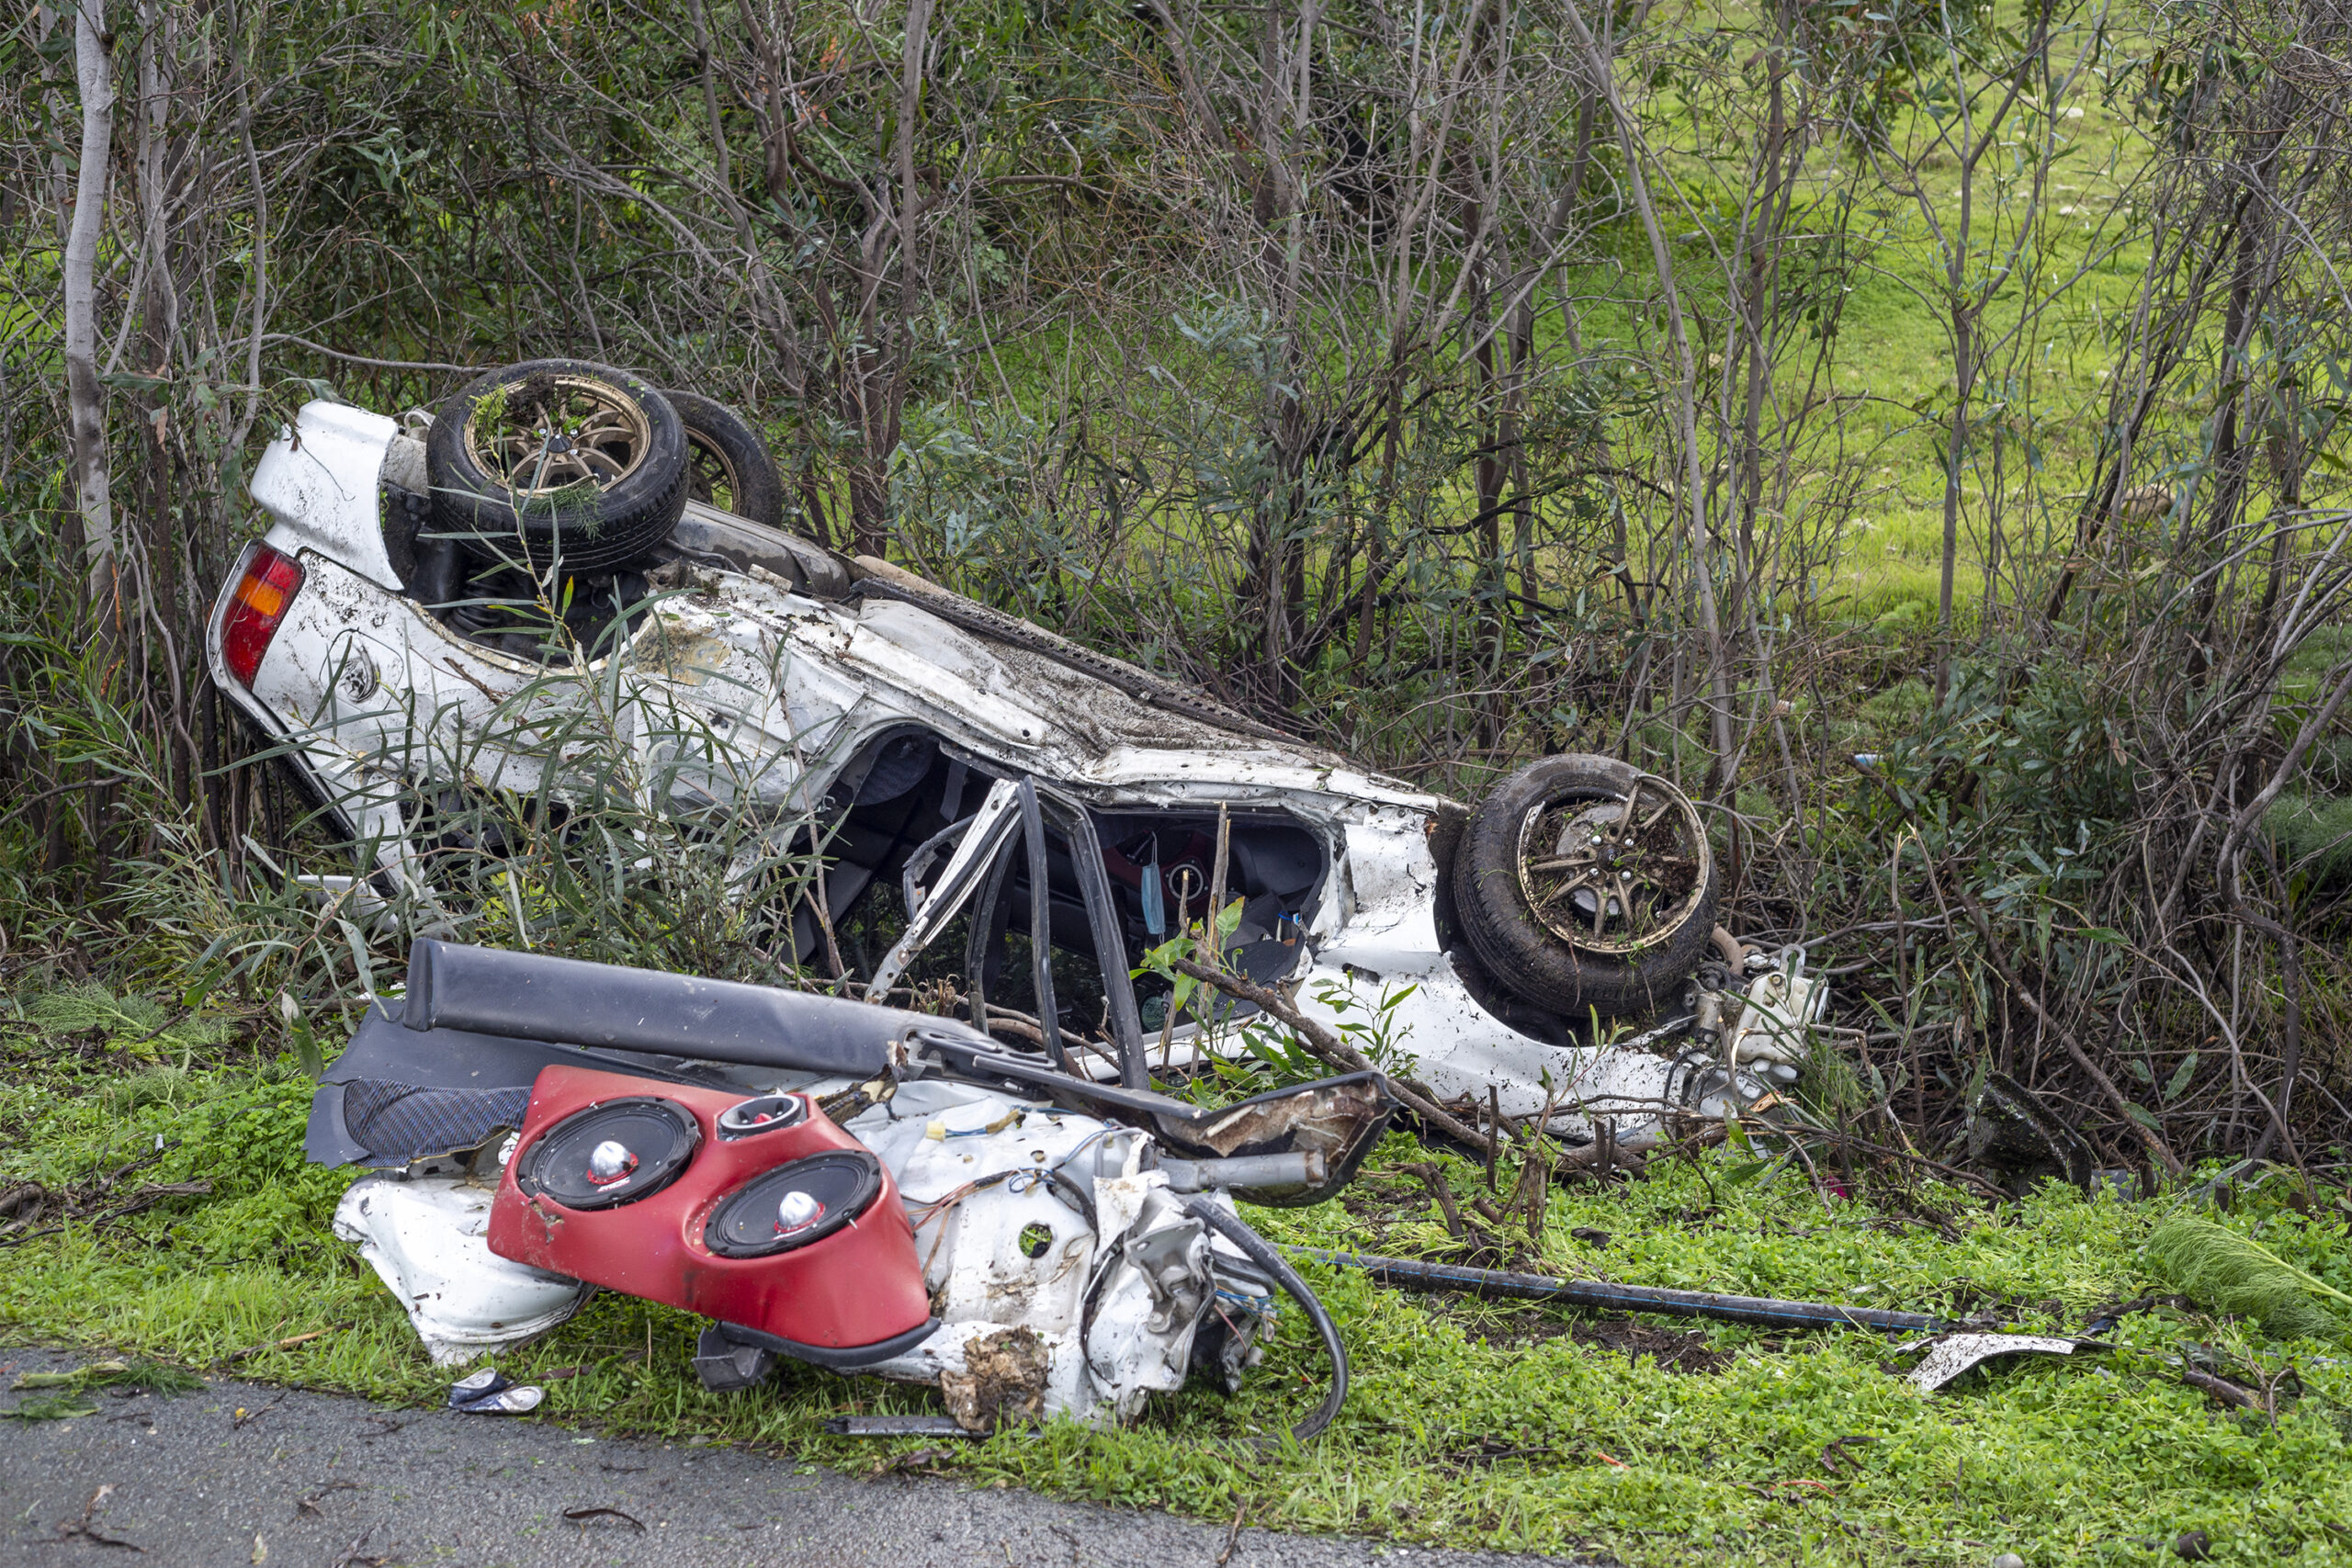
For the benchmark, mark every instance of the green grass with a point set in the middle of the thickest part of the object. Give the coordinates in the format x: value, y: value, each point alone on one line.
x: 2093, y: 1459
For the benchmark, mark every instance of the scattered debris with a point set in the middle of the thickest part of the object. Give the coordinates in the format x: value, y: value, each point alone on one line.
x: 2224, y: 1391
x: 581, y: 1516
x: 2238, y: 1382
x: 478, y: 1385
x: 96, y: 1371
x: 2107, y: 1317
x: 1600, y: 1295
x: 1674, y: 1350
x: 99, y: 1201
x: 1233, y: 1532
x: 2236, y: 1274
x: 2010, y: 1132
x: 519, y: 1399
x: 126, y: 1378
x: 86, y: 1528
x: 245, y: 1417
x: 1684, y: 1351
x: 1003, y: 1381
x: 897, y: 1426
x: 310, y: 1504
x: 350, y: 1555
x: 286, y: 1344
x: 919, y: 1462
x: 1837, y: 1460
x: 1493, y: 1450
x: 1953, y: 1354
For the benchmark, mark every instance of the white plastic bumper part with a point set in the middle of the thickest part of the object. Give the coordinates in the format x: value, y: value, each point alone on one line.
x: 427, y: 1239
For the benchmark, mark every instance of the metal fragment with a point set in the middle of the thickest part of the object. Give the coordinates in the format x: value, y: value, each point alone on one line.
x: 1953, y: 1354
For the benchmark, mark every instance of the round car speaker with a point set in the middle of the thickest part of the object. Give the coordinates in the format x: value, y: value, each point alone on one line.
x: 768, y: 1114
x: 611, y: 1154
x: 794, y: 1204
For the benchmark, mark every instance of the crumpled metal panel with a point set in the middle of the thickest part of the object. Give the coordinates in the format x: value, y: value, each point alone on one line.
x: 1328, y: 1119
x: 1068, y: 1277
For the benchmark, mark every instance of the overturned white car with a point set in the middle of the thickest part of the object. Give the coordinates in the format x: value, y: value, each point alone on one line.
x: 431, y: 600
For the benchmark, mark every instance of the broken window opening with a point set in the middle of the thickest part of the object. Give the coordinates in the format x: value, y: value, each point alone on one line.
x: 903, y: 796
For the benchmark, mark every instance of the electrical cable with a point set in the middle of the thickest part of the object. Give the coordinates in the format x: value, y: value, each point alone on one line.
x: 1260, y: 1251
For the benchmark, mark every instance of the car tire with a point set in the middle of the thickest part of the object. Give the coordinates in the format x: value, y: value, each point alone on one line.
x: 730, y: 466
x: 607, y: 460
x: 1543, y: 954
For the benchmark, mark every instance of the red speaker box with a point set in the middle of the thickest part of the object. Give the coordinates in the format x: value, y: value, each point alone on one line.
x: 759, y: 1212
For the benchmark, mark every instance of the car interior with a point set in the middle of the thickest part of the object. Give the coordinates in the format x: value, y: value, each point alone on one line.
x: 901, y: 800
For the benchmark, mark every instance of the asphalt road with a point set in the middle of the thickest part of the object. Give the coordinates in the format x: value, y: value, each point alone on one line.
x: 322, y: 1481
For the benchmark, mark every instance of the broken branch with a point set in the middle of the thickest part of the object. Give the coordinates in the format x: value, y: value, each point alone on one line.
x: 1435, y: 1180
x: 1327, y: 1046
x: 2017, y: 988
x: 2221, y: 1389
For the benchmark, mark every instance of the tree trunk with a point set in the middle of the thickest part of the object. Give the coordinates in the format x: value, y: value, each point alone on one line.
x: 94, y: 73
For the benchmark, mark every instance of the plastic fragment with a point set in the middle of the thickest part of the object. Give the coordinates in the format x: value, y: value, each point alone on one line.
x: 478, y: 1385
x: 519, y: 1400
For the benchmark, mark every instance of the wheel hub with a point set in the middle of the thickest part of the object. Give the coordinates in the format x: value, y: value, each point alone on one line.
x: 555, y: 432
x: 1612, y: 875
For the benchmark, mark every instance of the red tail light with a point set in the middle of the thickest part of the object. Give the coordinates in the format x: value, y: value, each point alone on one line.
x: 258, y: 604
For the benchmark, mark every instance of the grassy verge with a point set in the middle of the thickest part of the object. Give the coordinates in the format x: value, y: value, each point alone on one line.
x: 1468, y: 1424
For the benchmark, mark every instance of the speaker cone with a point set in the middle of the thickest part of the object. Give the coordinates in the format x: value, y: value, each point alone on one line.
x: 768, y: 1114
x: 611, y: 1154
x: 794, y: 1204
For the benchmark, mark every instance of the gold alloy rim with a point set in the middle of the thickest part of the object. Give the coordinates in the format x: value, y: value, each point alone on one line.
x: 557, y: 433
x: 1613, y: 876
x: 711, y: 477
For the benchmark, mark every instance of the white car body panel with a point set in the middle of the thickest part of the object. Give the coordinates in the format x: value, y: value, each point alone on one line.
x: 318, y: 482
x: 428, y: 1240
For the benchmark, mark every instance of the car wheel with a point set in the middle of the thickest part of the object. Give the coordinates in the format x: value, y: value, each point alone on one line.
x: 729, y: 465
x: 1584, y: 883
x: 559, y: 459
